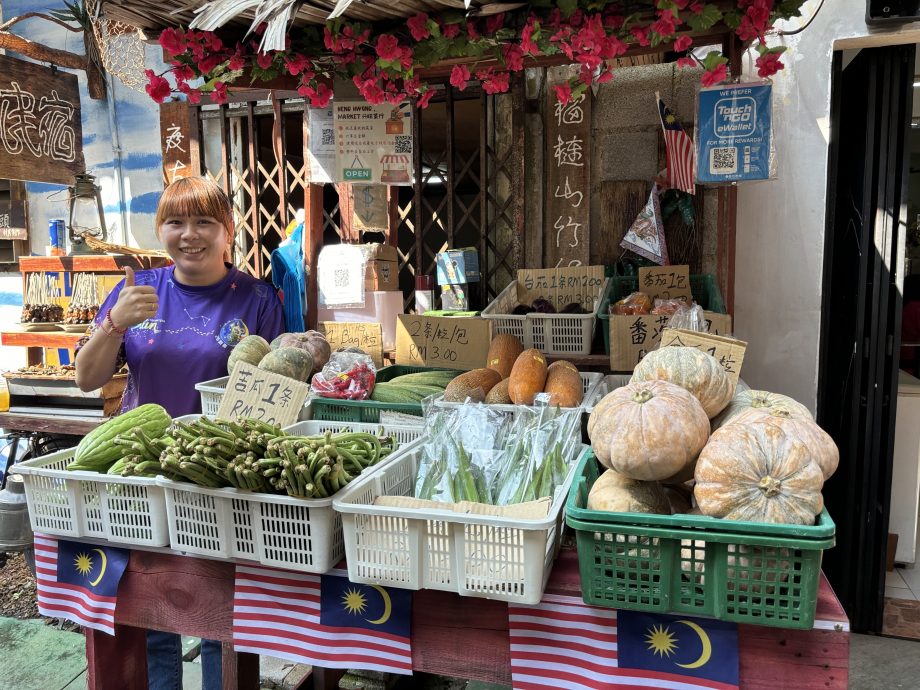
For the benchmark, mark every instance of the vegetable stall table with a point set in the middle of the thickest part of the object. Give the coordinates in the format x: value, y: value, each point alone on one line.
x: 451, y: 635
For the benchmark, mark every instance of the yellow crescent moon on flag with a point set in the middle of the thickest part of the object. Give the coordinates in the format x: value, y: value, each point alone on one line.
x: 101, y: 570
x: 387, y: 606
x: 707, y: 646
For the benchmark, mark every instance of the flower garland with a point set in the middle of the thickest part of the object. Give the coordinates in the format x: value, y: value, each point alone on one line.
x: 383, y: 61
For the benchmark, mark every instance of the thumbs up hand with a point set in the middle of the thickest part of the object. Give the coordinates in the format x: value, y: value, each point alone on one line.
x: 136, y: 303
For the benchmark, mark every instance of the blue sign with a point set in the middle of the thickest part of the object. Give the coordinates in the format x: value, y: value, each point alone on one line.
x: 734, y: 133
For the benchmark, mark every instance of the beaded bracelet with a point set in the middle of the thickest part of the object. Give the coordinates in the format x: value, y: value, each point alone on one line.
x: 114, y: 328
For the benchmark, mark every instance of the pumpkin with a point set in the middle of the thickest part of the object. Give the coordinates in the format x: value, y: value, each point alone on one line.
x: 758, y: 472
x: 503, y: 352
x: 528, y: 376
x: 250, y: 349
x: 697, y: 371
x: 819, y: 443
x: 563, y: 384
x: 288, y: 361
x: 678, y: 498
x: 745, y: 400
x: 499, y: 394
x: 473, y: 385
x: 313, y: 342
x: 649, y: 430
x: 615, y: 493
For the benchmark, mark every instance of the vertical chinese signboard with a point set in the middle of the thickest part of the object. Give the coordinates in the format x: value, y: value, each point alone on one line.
x: 568, y: 178
x: 13, y: 220
x: 178, y: 141
x: 373, y: 143
x: 41, y: 139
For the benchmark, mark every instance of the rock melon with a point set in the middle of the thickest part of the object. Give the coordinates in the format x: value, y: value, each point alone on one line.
x: 474, y: 385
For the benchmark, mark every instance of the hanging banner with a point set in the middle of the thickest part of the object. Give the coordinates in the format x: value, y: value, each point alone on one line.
x: 322, y: 145
x: 41, y: 139
x: 735, y: 133
x: 371, y: 208
x: 373, y: 143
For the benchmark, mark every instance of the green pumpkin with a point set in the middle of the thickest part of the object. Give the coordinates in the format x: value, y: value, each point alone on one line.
x: 288, y: 361
x: 250, y: 349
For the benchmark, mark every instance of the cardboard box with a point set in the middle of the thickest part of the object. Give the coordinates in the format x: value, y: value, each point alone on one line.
x: 632, y: 337
x: 454, y: 297
x: 457, y: 266
x: 382, y: 270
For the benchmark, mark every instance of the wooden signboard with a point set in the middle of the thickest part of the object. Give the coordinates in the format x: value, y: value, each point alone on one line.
x: 666, y: 282
x: 561, y: 286
x: 442, y: 341
x: 632, y: 337
x: 367, y: 336
x: 371, y: 208
x: 178, y: 141
x: 262, y: 395
x: 728, y: 351
x: 13, y: 220
x: 41, y: 139
x: 567, y: 216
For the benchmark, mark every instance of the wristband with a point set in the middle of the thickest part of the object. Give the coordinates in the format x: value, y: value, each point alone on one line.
x: 115, y: 329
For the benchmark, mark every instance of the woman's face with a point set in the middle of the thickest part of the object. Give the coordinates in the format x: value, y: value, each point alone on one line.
x: 197, y: 245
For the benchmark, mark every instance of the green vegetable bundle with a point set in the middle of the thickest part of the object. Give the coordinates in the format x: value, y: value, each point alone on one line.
x: 413, y: 388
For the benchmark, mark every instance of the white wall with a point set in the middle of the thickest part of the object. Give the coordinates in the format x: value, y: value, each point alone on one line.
x: 780, y: 233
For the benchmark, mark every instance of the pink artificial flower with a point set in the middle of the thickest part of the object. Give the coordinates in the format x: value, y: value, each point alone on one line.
x: 212, y: 40
x: 183, y: 72
x: 696, y: 7
x: 746, y: 30
x: 219, y: 94
x: 208, y: 63
x: 371, y: 92
x: 471, y: 31
x: 237, y: 62
x: 264, y: 60
x: 528, y: 45
x: 666, y: 24
x: 605, y: 76
x: 640, y: 33
x: 328, y: 39
x: 423, y: 100
x: 759, y: 14
x: 322, y: 96
x: 590, y: 62
x: 173, y: 41
x: 769, y: 64
x: 459, y: 76
x: 296, y: 64
x: 614, y: 21
x: 500, y: 82
x: 686, y: 62
x: 563, y: 93
x: 418, y: 26
x: 405, y: 60
x: 157, y: 87
x: 193, y: 95
x: 395, y: 97
x: 494, y: 23
x: 388, y: 48
x: 715, y: 76
x: 260, y: 29
x: 450, y: 30
x: 514, y: 57
x: 682, y: 44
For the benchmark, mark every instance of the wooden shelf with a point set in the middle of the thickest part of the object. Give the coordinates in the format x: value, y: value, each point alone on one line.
x: 90, y: 262
x: 52, y: 424
x: 40, y: 339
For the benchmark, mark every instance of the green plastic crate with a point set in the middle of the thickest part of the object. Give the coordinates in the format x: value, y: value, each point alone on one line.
x: 743, y: 572
x: 704, y: 288
x: 334, y: 410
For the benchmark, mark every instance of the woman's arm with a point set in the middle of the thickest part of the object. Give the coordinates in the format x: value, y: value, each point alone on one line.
x: 97, y: 360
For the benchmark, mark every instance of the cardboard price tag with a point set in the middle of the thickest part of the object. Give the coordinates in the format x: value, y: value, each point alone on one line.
x: 728, y: 351
x: 262, y: 395
x: 634, y: 336
x: 561, y: 286
x: 441, y: 341
x: 367, y: 336
x: 665, y: 282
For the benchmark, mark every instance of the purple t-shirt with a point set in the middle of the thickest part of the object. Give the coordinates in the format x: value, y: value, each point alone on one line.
x: 190, y: 338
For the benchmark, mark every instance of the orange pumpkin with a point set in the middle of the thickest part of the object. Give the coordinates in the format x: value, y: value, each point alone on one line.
x: 692, y: 369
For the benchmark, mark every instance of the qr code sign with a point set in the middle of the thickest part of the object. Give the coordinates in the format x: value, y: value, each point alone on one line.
x: 723, y: 161
x: 403, y: 143
x: 340, y: 278
x: 328, y: 137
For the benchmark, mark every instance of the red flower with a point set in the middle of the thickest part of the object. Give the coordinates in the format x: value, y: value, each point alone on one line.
x: 173, y: 41
x: 423, y: 100
x: 563, y: 93
x: 614, y: 21
x: 296, y: 64
x: 371, y: 91
x: 219, y: 94
x: 208, y: 62
x: 494, y: 23
x: 450, y: 30
x: 388, y: 48
x: 682, y: 43
x: 260, y: 29
x: 514, y: 58
x: 769, y: 64
x: 405, y: 59
x: 686, y: 62
x: 237, y: 62
x: 666, y: 24
x: 471, y: 31
x: 193, y: 95
x: 696, y: 8
x: 264, y: 60
x: 395, y: 97
x: 328, y: 40
x: 322, y: 96
x: 746, y: 30
x: 500, y: 82
x: 606, y: 75
x: 640, y: 33
x: 183, y: 72
x: 418, y: 26
x: 212, y: 40
x: 715, y: 76
x: 459, y: 76
x: 759, y: 14
x: 590, y: 63
x: 157, y: 87
x: 528, y: 45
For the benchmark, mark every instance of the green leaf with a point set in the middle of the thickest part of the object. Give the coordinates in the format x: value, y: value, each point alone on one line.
x: 434, y: 28
x: 732, y: 19
x: 667, y: 5
x: 567, y: 7
x: 713, y: 60
x: 709, y: 17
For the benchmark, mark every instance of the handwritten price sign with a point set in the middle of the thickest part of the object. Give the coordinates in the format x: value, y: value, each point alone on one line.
x: 728, y: 351
x: 561, y: 286
x: 271, y: 398
x: 666, y: 282
x: 367, y: 336
x: 438, y: 341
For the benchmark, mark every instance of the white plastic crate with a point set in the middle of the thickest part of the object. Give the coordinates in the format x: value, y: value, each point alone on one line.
x: 127, y: 510
x: 474, y: 555
x: 590, y: 382
x: 275, y: 530
x: 212, y: 391
x: 552, y: 334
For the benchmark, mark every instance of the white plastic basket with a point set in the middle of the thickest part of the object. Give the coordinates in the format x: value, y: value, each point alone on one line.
x: 609, y: 383
x: 283, y: 531
x: 212, y: 391
x: 590, y: 382
x: 552, y: 334
x: 127, y: 510
x: 474, y: 555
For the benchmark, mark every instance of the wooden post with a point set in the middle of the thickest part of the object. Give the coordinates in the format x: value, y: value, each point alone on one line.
x: 728, y: 199
x: 116, y: 662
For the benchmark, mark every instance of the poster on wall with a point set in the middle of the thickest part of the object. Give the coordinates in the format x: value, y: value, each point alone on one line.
x: 322, y: 145
x: 41, y: 139
x: 735, y: 133
x: 373, y: 143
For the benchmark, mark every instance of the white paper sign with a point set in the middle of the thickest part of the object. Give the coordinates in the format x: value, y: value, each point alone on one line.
x: 373, y: 143
x: 322, y: 145
x: 340, y: 270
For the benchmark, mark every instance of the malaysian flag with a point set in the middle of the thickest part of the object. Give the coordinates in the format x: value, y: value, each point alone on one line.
x: 564, y: 643
x: 681, y: 153
x: 78, y: 582
x: 323, y: 620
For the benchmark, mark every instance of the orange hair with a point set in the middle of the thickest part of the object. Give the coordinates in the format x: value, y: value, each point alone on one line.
x: 196, y: 196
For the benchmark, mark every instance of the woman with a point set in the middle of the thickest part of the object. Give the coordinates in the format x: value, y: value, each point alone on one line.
x: 175, y: 327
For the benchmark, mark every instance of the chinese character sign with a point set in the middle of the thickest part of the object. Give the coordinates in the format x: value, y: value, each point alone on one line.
x: 258, y: 394
x: 13, y: 220
x: 41, y: 139
x: 179, y: 148
x: 568, y: 182
x: 373, y: 143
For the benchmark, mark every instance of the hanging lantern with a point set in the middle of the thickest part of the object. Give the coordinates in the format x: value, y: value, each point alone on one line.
x: 86, y: 215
